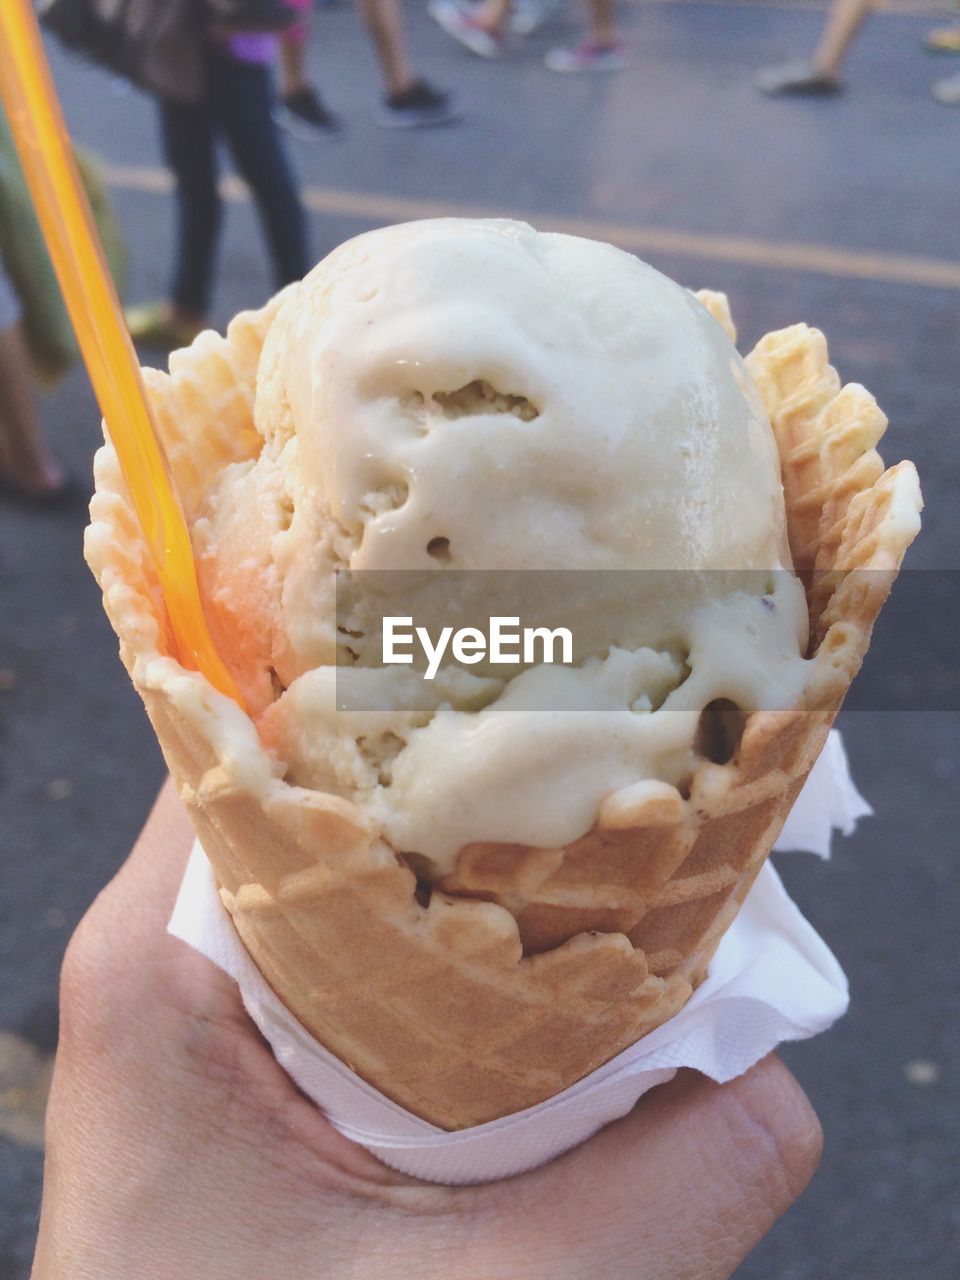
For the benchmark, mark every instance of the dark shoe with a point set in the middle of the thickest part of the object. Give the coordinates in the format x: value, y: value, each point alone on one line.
x: 797, y: 78
x: 419, y: 106
x: 304, y: 116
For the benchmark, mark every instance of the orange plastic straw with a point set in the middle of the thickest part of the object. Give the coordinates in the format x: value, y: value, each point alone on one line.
x: 43, y: 143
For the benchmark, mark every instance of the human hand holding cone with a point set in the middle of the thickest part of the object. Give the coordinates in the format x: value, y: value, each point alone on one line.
x: 527, y: 967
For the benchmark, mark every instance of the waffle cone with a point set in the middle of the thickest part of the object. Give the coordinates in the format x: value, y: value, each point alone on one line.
x: 527, y: 968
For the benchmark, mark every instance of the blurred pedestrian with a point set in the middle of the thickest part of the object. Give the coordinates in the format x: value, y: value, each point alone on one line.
x: 302, y: 111
x: 28, y: 467
x: 235, y: 103
x: 409, y: 100
x: 483, y: 30
x: 601, y: 50
x: 821, y: 74
x: 45, y: 327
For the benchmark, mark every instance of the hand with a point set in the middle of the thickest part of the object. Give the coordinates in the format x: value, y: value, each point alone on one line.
x: 177, y: 1147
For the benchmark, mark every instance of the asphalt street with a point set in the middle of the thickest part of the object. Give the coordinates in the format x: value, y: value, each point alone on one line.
x: 841, y: 212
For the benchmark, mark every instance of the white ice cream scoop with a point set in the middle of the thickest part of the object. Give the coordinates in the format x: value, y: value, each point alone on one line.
x: 470, y: 396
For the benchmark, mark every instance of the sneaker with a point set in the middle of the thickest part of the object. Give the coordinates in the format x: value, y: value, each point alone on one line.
x: 530, y: 15
x: 589, y: 56
x: 799, y: 78
x: 947, y: 91
x: 154, y: 325
x: 943, y: 39
x: 418, y: 107
x: 466, y: 30
x: 304, y: 116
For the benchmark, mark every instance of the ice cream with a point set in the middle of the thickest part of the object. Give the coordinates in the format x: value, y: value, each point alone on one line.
x: 457, y: 395
x: 473, y: 907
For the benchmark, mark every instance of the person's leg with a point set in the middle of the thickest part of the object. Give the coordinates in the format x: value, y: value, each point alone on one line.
x: 243, y: 99
x: 408, y: 99
x: 293, y: 61
x: 303, y: 112
x: 603, y: 27
x: 844, y: 20
x: 495, y: 13
x: 385, y: 29
x: 189, y: 149
x: 26, y: 461
x: 603, y: 50
x: 481, y: 29
x: 822, y: 73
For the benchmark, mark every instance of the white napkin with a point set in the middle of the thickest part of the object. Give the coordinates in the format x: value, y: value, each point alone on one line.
x: 772, y: 979
x: 829, y: 799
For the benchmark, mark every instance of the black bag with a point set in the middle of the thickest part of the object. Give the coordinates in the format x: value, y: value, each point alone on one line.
x: 156, y: 44
x: 251, y: 15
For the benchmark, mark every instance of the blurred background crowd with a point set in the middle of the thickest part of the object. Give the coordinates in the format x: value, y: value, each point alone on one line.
x: 795, y: 153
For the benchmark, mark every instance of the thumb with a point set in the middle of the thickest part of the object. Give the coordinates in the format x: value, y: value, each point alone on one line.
x: 680, y: 1189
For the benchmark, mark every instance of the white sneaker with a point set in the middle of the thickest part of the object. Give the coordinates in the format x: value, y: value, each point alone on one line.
x: 947, y: 91
x: 588, y: 57
x: 465, y: 29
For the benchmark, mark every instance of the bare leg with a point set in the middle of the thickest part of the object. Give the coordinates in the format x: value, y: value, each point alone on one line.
x: 844, y: 21
x: 26, y: 459
x: 305, y: 115
x: 385, y: 28
x: 603, y: 27
x: 602, y: 50
x: 293, y: 67
x: 493, y: 15
x: 821, y: 74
